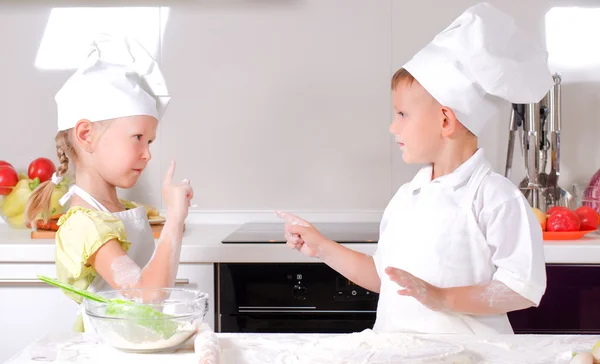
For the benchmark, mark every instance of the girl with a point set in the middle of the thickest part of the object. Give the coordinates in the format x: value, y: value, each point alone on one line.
x: 108, y: 112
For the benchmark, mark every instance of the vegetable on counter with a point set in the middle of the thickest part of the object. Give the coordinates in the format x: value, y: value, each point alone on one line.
x: 588, y: 217
x: 563, y: 219
x: 41, y: 168
x: 8, y: 178
x: 16, y: 188
x: 14, y: 203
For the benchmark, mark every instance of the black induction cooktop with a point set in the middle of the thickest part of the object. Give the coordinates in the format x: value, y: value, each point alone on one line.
x: 269, y: 233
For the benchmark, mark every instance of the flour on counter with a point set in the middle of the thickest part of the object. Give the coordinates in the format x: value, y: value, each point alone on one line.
x: 377, y: 348
x: 156, y: 343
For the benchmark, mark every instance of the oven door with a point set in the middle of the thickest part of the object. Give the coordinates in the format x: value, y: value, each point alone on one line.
x: 279, y: 322
x: 571, y: 304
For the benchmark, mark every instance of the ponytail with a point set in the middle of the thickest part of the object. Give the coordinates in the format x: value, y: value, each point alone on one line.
x: 40, y: 199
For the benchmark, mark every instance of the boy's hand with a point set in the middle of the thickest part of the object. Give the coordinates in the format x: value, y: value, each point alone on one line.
x: 430, y: 296
x: 301, y: 235
x: 177, y: 196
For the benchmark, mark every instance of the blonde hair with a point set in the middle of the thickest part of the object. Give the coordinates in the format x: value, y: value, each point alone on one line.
x: 40, y: 199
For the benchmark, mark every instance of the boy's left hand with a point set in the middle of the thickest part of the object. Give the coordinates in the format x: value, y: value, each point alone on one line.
x: 430, y: 296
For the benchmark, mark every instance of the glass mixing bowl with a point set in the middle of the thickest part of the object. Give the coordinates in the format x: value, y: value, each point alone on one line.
x: 153, y: 320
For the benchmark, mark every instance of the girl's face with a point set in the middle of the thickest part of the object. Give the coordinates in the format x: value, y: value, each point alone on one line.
x: 122, y: 152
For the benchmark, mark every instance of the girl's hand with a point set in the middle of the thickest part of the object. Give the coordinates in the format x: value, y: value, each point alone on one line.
x: 177, y: 196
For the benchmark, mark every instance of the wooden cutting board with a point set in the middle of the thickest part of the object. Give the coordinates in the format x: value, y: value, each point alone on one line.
x: 45, y: 234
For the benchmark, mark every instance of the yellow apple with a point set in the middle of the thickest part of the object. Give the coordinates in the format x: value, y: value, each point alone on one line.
x: 541, y: 217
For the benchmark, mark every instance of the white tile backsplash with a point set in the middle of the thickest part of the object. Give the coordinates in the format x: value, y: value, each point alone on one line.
x: 284, y: 104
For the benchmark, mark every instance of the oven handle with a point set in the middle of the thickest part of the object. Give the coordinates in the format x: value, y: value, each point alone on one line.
x: 37, y: 282
x: 277, y: 308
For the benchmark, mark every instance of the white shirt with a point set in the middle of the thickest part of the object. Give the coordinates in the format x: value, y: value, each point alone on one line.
x: 509, y: 248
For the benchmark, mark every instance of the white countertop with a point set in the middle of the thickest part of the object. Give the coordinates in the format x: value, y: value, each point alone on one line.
x: 285, y: 348
x: 202, y: 244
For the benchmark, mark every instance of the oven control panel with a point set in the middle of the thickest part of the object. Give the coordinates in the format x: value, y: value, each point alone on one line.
x: 348, y: 291
x: 307, y: 287
x: 344, y: 290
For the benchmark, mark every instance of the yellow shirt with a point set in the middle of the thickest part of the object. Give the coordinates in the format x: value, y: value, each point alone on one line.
x: 80, y: 234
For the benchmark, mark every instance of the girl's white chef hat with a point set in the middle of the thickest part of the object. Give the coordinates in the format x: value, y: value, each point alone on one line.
x: 119, y: 78
x: 482, y: 57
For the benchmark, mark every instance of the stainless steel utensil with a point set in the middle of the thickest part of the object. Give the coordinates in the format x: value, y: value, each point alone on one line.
x: 538, y: 126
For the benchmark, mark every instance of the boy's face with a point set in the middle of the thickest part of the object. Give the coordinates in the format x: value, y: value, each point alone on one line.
x: 417, y: 124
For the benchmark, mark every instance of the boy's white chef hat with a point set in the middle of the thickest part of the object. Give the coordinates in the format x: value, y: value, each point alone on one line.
x: 482, y: 56
x: 118, y: 78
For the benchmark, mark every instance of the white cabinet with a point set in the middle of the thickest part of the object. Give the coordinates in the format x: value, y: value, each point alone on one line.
x: 29, y: 309
x: 201, y: 278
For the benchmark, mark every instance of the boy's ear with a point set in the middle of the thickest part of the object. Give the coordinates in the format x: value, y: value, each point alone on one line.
x: 450, y: 123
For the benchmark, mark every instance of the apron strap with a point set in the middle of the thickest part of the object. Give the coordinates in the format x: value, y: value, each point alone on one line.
x: 478, y: 176
x: 74, y: 189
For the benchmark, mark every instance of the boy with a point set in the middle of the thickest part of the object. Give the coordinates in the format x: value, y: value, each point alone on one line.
x: 459, y: 245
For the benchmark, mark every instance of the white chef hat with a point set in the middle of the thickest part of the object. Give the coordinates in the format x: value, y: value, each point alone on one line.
x: 482, y: 56
x: 118, y: 78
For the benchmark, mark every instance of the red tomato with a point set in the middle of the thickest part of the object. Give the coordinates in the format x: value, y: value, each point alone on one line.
x: 564, y: 220
x: 588, y: 217
x: 42, y: 168
x: 8, y: 178
x: 5, y: 163
x: 554, y: 209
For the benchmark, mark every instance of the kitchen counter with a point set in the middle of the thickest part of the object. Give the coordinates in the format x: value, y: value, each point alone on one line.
x: 202, y: 244
x: 284, y: 348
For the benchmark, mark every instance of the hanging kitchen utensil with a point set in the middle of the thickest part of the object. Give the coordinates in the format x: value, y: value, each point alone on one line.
x: 515, y: 124
x: 538, y: 152
x: 539, y: 126
x: 558, y: 195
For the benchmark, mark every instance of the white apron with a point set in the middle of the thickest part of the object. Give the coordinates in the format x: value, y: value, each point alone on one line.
x: 439, y: 241
x: 138, y: 231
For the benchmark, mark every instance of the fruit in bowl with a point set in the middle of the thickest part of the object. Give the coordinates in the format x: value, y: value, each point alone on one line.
x: 16, y: 188
x: 41, y: 168
x: 12, y: 206
x: 8, y: 178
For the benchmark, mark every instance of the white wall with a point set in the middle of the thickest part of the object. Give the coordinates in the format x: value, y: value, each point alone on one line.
x: 283, y: 103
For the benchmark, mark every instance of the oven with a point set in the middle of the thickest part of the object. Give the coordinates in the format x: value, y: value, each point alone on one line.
x: 313, y: 298
x: 290, y: 298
